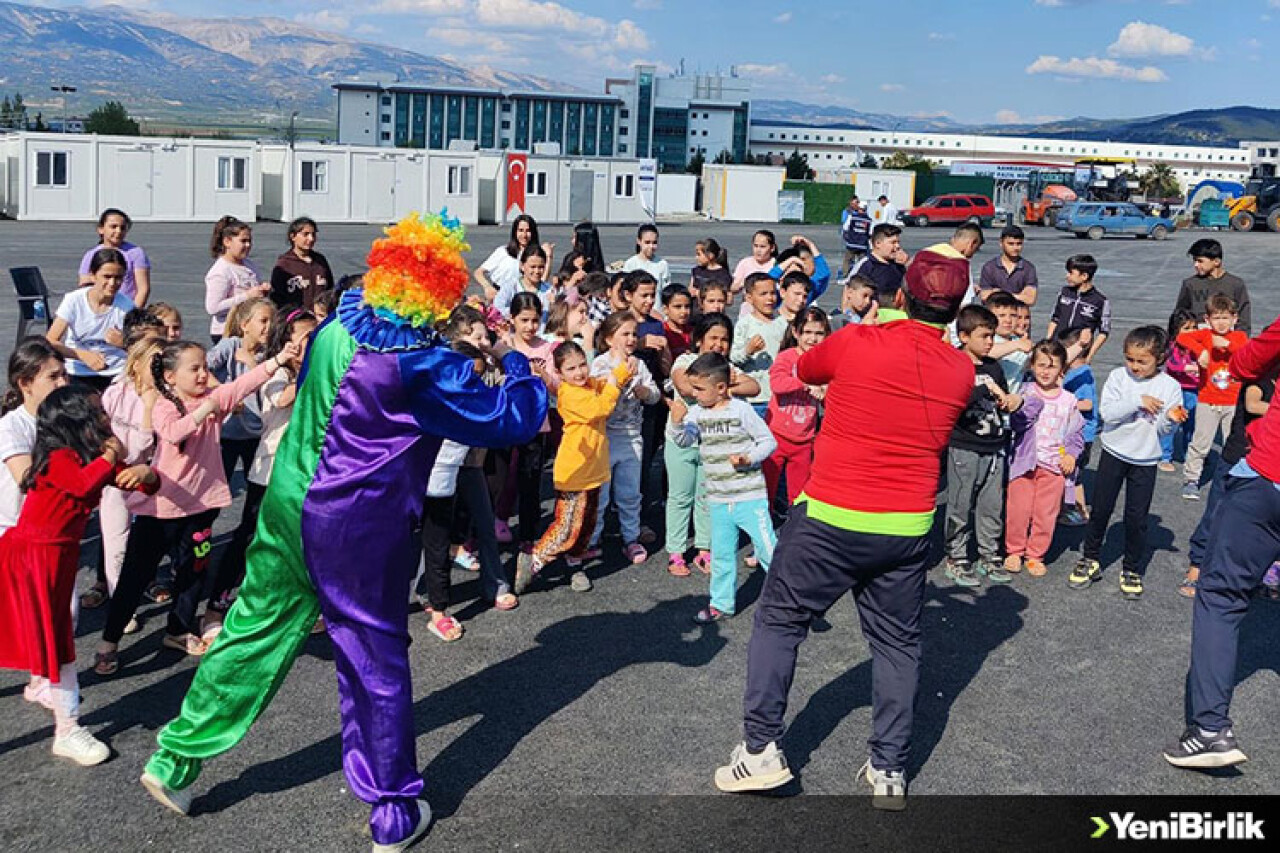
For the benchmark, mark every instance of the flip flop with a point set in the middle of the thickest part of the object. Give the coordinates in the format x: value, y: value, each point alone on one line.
x: 506, y: 601
x: 93, y: 597
x: 106, y: 663
x: 446, y: 628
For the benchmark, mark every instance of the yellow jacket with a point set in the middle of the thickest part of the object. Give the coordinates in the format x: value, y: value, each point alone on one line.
x: 582, y: 463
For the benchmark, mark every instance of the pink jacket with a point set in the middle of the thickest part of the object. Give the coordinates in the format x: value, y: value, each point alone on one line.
x: 793, y: 411
x: 191, y: 478
x: 122, y: 403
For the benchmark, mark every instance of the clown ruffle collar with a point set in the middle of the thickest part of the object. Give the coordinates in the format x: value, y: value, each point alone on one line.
x: 373, y: 331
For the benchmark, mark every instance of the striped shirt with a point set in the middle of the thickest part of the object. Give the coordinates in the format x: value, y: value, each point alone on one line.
x: 732, y: 429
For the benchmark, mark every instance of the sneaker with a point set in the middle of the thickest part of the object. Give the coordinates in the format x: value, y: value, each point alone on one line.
x: 133, y: 626
x: 709, y: 614
x: 1072, y: 517
x: 81, y: 747
x: 636, y: 553
x: 526, y: 571
x: 961, y: 573
x: 38, y: 695
x: 1086, y: 573
x: 1200, y: 750
x: 747, y: 772
x: 1131, y: 585
x: 992, y: 571
x: 1167, y: 466
x: 579, y: 582
x: 1272, y: 577
x: 647, y: 536
x: 502, y: 532
x: 424, y: 822
x: 179, y: 801
x: 888, y: 787
x: 1190, y: 492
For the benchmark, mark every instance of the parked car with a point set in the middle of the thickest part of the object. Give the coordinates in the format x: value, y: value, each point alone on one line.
x: 1097, y: 219
x: 952, y: 208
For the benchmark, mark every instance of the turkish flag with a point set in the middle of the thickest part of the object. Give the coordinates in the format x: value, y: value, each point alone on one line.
x: 517, y: 169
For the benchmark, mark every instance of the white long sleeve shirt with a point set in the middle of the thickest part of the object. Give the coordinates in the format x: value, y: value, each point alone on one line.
x: 1128, y: 431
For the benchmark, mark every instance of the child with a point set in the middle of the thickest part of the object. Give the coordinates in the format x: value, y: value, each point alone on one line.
x: 804, y: 257
x: 326, y: 303
x: 568, y: 320
x: 1080, y: 305
x: 1216, y: 398
x: 1009, y: 348
x: 113, y: 227
x: 275, y: 400
x: 35, y: 369
x: 651, y: 348
x: 758, y: 336
x: 1079, y: 382
x: 437, y: 521
x: 616, y: 343
x: 857, y: 303
x: 712, y: 333
x: 712, y: 262
x: 975, y: 458
x: 792, y: 415
x: 733, y: 442
x: 1182, y: 366
x: 794, y: 295
x: 1210, y: 278
x: 581, y: 466
x: 678, y: 305
x: 526, y: 317
x: 713, y: 298
x: 1140, y: 402
x: 300, y: 273
x: 74, y: 458
x: 1048, y: 438
x: 171, y: 317
x: 232, y: 279
x: 193, y: 488
x: 533, y: 280
x: 598, y: 288
x: 646, y: 256
x: 91, y: 320
x: 763, y: 257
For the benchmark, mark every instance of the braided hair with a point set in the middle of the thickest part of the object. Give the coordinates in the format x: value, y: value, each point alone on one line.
x: 165, y: 360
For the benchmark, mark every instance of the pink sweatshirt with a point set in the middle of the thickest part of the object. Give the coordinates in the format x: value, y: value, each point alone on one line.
x: 122, y: 403
x: 793, y: 411
x: 192, y: 479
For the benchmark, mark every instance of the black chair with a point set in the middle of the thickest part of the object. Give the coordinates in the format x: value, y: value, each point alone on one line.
x: 33, y: 298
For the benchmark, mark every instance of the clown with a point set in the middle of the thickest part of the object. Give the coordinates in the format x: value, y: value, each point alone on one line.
x: 378, y: 393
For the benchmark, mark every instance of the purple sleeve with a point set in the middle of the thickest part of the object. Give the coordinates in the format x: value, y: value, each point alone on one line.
x: 84, y: 262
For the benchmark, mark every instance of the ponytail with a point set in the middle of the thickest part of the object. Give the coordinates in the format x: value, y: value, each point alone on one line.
x: 227, y: 226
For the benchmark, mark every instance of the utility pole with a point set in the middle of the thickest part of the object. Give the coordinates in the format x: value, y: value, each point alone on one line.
x: 64, y: 90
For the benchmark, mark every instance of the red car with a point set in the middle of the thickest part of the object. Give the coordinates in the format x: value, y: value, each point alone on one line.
x: 953, y: 209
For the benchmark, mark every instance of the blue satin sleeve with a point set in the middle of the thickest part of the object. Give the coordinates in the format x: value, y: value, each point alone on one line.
x: 821, y: 278
x: 449, y: 400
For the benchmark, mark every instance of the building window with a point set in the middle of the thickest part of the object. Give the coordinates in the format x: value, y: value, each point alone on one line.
x: 315, y: 176
x: 51, y: 168
x: 622, y: 131
x: 624, y: 114
x: 704, y: 133
x: 386, y: 135
x: 535, y: 183
x: 506, y: 124
x: 459, y: 181
x: 233, y: 173
x: 386, y: 100
x: 622, y: 148
x: 693, y: 150
x: 624, y: 186
x: 771, y: 136
x: 386, y: 118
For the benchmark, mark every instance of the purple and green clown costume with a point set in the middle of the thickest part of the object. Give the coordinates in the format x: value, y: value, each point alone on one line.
x: 375, y: 400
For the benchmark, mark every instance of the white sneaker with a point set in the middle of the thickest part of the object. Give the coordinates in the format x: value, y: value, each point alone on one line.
x: 179, y: 801
x: 747, y: 772
x: 81, y: 747
x: 888, y: 787
x: 424, y: 821
x: 39, y: 695
x: 133, y: 626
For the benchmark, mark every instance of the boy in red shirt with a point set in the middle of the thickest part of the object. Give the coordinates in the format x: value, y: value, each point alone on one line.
x: 1219, y: 390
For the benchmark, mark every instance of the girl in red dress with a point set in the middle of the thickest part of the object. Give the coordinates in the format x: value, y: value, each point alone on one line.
x: 74, y: 458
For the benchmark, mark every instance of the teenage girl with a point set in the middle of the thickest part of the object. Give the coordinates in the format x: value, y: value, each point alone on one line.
x: 711, y: 333
x: 712, y: 266
x: 188, y: 424
x: 503, y: 266
x: 232, y: 279
x: 616, y: 343
x: 300, y: 273
x: 646, y: 256
x: 533, y: 281
x: 526, y: 316
x: 91, y: 321
x: 764, y: 253
x: 792, y: 415
x: 113, y: 227
x: 75, y: 457
x: 35, y: 369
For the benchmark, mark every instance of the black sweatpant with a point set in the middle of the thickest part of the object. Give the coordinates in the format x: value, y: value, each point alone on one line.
x: 240, y: 450
x: 529, y: 461
x: 149, y: 540
x: 230, y: 572
x: 437, y: 523
x: 1139, y: 483
x: 814, y: 564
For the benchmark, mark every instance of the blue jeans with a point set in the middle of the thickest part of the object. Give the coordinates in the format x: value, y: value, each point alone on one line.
x: 623, y: 487
x: 1174, y: 444
x: 751, y: 517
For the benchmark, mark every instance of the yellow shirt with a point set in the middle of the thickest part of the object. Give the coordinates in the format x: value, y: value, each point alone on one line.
x: 582, y: 463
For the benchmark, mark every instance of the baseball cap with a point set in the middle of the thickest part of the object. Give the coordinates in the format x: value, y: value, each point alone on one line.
x: 938, y: 280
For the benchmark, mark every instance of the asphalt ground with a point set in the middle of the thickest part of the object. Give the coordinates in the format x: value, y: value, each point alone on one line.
x: 594, y: 721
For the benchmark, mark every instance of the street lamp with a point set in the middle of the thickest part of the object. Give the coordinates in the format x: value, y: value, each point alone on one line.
x: 64, y: 90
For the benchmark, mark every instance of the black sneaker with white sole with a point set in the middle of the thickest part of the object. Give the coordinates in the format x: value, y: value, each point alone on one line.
x: 1200, y: 750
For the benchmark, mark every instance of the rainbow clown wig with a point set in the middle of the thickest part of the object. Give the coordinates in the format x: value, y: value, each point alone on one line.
x: 416, y: 272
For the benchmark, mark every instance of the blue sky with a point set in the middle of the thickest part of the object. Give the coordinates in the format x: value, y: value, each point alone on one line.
x: 990, y: 61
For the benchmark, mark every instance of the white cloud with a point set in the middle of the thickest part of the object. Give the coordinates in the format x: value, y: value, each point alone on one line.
x: 831, y: 79
x: 1095, y: 67
x: 1008, y: 117
x: 1140, y: 39
x: 324, y: 19
x: 784, y: 18
x: 942, y: 36
x: 647, y: 5
x: 425, y: 7
x: 891, y: 87
x: 751, y: 69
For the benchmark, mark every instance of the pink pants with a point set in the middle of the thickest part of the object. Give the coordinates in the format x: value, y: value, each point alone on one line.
x: 1032, y: 513
x: 114, y: 519
x: 796, y: 460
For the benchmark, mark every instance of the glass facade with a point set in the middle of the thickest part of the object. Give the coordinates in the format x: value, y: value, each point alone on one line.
x: 521, y: 140
x: 606, y: 129
x: 590, y: 117
x: 670, y: 136
x: 453, y: 123
x: 539, y: 121
x: 740, y: 133
x: 489, y: 123
x: 437, y: 122
x: 471, y: 119
x: 418, y: 122
x: 402, y: 119
x: 573, y: 139
x: 644, y: 107
x: 556, y: 130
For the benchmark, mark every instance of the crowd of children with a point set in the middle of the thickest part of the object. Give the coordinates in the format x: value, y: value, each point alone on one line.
x: 637, y: 366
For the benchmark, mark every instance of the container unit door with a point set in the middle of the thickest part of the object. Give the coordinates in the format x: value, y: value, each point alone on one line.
x: 581, y: 194
x: 380, y: 191
x: 134, y: 182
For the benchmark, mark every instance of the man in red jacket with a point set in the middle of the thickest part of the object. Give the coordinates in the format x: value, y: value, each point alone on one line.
x: 894, y: 393
x: 1244, y: 542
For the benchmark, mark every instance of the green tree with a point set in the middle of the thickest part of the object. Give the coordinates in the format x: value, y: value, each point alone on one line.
x: 6, y: 112
x: 38, y: 124
x: 696, y: 162
x: 869, y: 162
x: 903, y: 160
x: 725, y: 157
x: 19, y: 118
x: 798, y: 167
x: 1159, y: 181
x: 113, y: 119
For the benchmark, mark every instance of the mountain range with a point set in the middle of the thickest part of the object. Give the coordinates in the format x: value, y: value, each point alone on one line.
x: 246, y: 74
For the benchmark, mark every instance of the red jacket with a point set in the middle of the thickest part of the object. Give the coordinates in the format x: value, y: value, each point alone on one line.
x: 793, y: 411
x: 894, y: 394
x: 1259, y: 357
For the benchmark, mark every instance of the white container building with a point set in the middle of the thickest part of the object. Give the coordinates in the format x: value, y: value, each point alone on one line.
x: 741, y: 193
